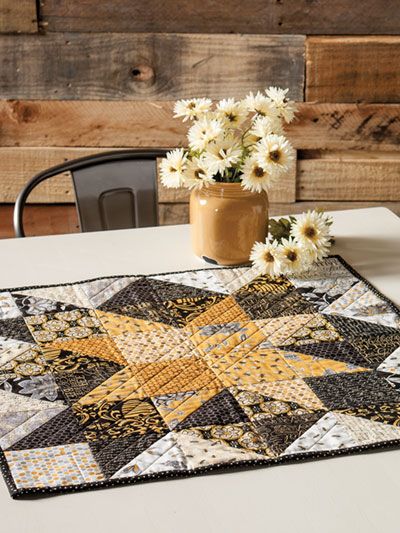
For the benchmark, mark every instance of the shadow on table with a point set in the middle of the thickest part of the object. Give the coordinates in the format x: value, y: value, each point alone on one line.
x: 370, y: 255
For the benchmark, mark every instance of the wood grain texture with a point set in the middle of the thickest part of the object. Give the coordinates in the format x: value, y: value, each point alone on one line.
x: 18, y: 165
x: 40, y: 220
x: 353, y: 69
x: 214, y: 16
x: 148, y: 66
x: 151, y: 124
x: 89, y: 123
x: 349, y: 177
x: 18, y: 16
x: 346, y: 126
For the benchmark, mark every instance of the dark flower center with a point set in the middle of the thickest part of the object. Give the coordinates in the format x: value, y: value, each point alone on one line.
x: 310, y: 232
x: 291, y: 255
x: 192, y: 105
x: 269, y: 258
x: 275, y: 155
x: 259, y: 172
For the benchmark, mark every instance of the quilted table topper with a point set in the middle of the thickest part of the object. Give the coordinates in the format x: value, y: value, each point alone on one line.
x: 130, y: 378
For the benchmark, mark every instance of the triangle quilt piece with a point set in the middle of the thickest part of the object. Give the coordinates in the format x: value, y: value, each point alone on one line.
x: 325, y: 435
x: 163, y: 455
x: 366, y: 431
x: 201, y: 451
x: 67, y: 294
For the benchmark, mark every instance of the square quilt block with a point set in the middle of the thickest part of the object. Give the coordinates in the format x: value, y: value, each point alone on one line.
x: 128, y: 378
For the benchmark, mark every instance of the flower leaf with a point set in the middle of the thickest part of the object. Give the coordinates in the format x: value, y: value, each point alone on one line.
x: 279, y: 229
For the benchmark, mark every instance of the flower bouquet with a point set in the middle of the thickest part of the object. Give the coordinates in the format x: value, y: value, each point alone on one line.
x: 232, y: 142
x: 237, y: 150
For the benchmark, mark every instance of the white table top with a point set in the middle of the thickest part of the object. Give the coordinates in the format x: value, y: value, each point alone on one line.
x: 344, y: 494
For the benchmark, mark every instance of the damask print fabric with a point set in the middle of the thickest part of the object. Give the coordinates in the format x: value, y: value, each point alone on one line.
x: 124, y: 379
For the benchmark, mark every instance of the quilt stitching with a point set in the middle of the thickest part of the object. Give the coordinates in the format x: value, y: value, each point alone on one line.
x: 122, y: 379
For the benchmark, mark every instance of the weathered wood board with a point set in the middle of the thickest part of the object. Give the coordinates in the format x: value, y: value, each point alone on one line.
x: 142, y: 66
x: 214, y: 16
x: 151, y: 124
x: 349, y: 177
x: 18, y: 16
x: 353, y: 69
x: 346, y: 126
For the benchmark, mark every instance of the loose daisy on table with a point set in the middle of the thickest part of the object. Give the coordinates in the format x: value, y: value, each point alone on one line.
x: 267, y: 258
x: 294, y: 244
x: 293, y: 256
x: 312, y: 230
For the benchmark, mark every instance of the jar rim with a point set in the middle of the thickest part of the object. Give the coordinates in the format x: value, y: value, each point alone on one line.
x: 226, y: 189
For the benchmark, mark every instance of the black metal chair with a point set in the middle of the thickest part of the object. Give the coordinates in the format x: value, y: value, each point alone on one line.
x: 113, y: 190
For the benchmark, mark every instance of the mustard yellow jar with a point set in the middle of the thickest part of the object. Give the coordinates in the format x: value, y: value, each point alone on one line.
x: 225, y: 222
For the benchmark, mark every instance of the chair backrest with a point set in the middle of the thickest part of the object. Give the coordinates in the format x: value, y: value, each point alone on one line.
x: 114, y: 190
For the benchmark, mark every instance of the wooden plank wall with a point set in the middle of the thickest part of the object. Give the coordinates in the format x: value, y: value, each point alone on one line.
x: 81, y: 77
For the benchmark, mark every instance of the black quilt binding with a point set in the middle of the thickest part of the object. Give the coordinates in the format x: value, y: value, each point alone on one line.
x: 17, y: 493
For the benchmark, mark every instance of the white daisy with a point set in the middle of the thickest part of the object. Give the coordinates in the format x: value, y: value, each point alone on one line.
x: 275, y: 154
x: 263, y: 126
x: 232, y: 113
x: 222, y: 154
x: 260, y: 104
x: 172, y: 168
x: 203, y: 132
x: 286, y: 108
x: 254, y: 177
x: 311, y: 229
x: 267, y: 257
x: 293, y: 256
x: 192, y: 109
x: 197, y: 175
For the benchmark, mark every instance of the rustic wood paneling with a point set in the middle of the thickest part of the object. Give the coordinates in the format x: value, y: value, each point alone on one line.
x: 214, y: 16
x: 89, y: 123
x: 150, y: 124
x: 40, y: 220
x: 347, y: 176
x: 142, y: 66
x: 18, y: 165
x: 353, y: 69
x: 346, y: 126
x: 18, y: 16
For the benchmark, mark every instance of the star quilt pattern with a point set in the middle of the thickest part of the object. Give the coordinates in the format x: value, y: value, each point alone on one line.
x: 123, y: 379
